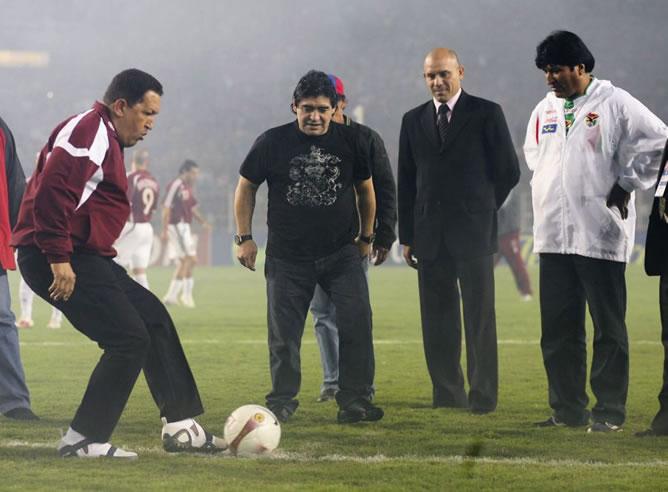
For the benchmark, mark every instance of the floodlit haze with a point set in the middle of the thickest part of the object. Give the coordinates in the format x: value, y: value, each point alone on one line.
x: 229, y: 67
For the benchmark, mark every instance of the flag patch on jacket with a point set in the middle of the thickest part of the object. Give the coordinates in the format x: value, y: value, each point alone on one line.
x: 591, y: 119
x: 552, y: 128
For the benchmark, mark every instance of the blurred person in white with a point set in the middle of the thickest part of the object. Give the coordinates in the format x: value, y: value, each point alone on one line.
x: 179, y: 209
x: 136, y: 239
x: 26, y: 299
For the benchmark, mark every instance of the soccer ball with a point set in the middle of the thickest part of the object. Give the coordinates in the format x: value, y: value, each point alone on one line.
x: 252, y: 429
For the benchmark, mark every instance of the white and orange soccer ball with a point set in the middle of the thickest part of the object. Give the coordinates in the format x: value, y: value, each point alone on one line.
x: 252, y: 429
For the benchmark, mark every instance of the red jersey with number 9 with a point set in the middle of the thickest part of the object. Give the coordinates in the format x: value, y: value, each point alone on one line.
x: 143, y: 192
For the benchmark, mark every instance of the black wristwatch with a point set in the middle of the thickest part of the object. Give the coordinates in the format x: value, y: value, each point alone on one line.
x: 240, y: 239
x: 368, y: 239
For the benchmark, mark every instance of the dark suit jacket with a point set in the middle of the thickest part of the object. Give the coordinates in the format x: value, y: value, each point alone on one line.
x: 452, y: 192
x: 656, y: 245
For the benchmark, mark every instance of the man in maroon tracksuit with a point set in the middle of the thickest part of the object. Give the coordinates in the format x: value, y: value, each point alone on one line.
x: 73, y: 210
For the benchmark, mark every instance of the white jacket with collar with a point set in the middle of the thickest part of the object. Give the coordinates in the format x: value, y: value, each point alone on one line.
x: 614, y: 139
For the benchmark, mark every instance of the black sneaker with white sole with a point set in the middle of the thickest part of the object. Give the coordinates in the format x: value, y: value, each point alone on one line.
x: 187, y: 436
x: 603, y: 427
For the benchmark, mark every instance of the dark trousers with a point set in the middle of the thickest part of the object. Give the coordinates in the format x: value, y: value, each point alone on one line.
x: 135, y: 332
x: 442, y: 331
x: 567, y: 284
x: 660, y: 422
x: 290, y: 288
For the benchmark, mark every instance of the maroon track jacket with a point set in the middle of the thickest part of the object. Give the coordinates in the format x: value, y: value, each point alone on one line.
x: 76, y: 199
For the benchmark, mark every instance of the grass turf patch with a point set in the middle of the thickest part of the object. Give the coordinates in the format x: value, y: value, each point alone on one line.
x: 414, y: 446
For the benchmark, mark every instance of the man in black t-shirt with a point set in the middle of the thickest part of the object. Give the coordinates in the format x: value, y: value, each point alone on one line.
x: 314, y: 168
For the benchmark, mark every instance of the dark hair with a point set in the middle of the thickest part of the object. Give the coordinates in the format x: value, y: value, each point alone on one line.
x: 131, y: 85
x: 314, y: 84
x: 563, y: 48
x: 187, y: 166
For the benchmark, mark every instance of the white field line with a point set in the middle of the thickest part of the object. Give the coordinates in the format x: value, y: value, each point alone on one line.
x: 213, y: 341
x: 287, y: 456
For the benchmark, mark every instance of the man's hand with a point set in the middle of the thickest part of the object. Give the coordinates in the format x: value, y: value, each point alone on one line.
x: 247, y: 253
x: 410, y: 260
x: 64, y: 279
x: 365, y: 248
x: 379, y: 254
x: 619, y: 198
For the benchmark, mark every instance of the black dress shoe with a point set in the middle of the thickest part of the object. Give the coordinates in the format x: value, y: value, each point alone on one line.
x: 283, y: 414
x: 20, y: 413
x: 360, y: 410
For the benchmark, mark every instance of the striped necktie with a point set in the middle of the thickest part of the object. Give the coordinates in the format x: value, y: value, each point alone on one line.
x: 442, y: 121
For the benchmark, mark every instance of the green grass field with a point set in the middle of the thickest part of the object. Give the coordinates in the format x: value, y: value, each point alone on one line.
x: 413, y: 447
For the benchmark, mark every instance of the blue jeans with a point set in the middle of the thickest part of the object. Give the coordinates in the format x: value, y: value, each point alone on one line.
x: 327, y: 334
x: 13, y: 389
x: 290, y: 288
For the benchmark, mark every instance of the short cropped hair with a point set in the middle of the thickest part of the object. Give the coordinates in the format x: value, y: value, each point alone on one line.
x: 131, y: 85
x: 314, y: 84
x: 187, y: 166
x: 564, y: 48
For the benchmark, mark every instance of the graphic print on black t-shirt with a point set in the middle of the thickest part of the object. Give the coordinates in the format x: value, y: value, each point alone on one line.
x: 311, y: 210
x: 315, y: 179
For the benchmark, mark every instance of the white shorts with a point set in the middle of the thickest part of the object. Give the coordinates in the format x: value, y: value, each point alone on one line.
x: 181, y: 242
x: 134, y: 245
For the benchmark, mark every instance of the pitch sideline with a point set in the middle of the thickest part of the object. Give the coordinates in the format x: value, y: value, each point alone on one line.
x: 376, y: 459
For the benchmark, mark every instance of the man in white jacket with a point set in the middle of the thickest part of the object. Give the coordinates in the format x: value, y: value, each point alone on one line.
x: 590, y: 145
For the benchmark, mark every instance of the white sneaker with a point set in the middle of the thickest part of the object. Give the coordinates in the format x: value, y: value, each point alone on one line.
x: 168, y: 301
x: 88, y: 449
x: 54, y: 325
x: 527, y: 297
x: 25, y: 323
x: 187, y: 436
x: 187, y: 302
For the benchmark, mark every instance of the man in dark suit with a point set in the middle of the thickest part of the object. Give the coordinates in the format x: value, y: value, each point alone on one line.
x: 457, y: 164
x: 656, y: 263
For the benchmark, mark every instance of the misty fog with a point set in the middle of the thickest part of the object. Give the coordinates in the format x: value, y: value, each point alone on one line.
x: 229, y: 67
